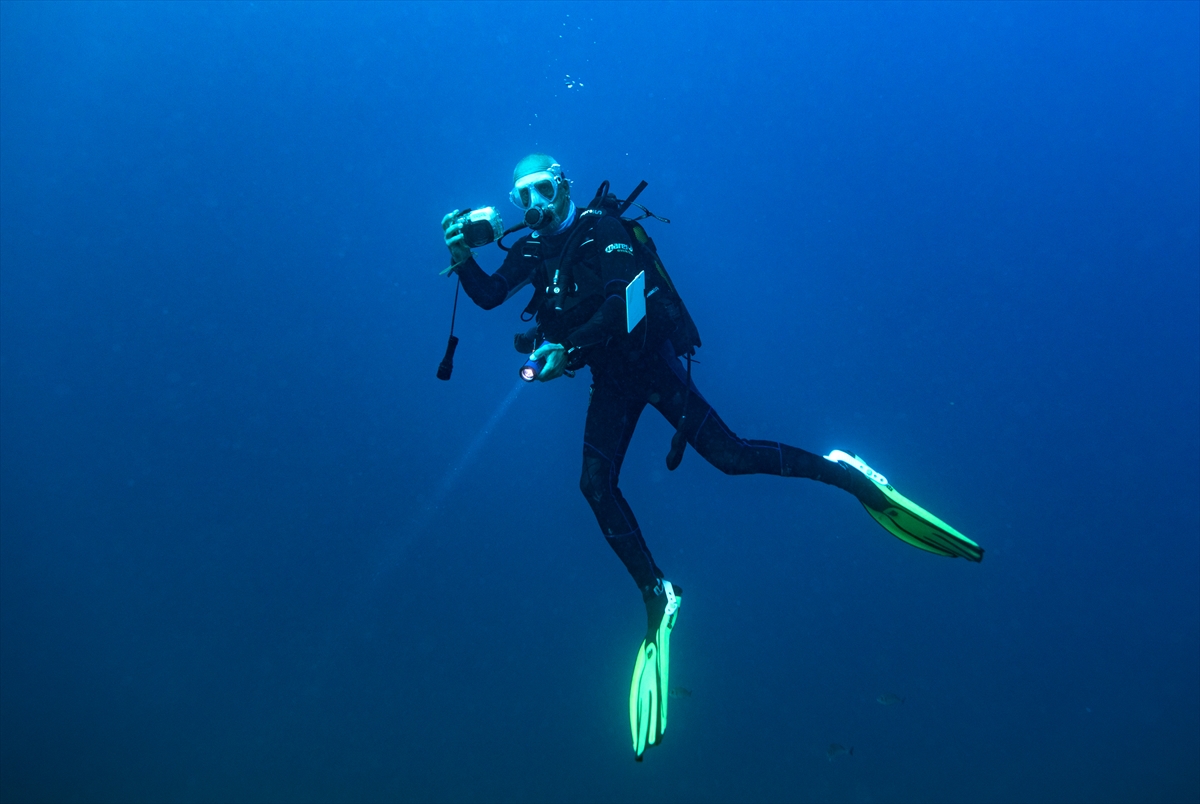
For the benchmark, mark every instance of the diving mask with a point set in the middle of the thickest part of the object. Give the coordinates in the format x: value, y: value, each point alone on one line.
x: 537, y: 189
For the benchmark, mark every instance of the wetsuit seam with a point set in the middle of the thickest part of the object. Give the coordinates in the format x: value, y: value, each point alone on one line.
x: 597, y: 451
x: 623, y: 535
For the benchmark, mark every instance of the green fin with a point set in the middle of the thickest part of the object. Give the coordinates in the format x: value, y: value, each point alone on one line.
x: 908, y: 521
x: 651, y: 673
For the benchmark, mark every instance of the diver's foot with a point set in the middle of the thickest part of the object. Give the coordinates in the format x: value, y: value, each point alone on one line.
x: 649, y: 689
x: 657, y: 601
x: 899, y: 515
x: 849, y: 477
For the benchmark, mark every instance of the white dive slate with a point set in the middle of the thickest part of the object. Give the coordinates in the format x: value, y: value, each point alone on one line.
x: 635, y: 301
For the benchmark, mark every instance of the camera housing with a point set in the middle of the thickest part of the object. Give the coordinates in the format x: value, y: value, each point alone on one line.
x: 480, y: 226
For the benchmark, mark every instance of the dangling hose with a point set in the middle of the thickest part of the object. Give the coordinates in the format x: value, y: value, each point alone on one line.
x: 679, y: 440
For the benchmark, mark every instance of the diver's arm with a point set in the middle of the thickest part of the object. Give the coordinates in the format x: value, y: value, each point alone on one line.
x: 486, y: 291
x: 603, y: 324
x: 617, y: 269
x: 492, y: 291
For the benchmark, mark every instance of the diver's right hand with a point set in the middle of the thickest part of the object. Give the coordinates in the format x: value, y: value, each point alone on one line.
x: 553, y: 357
x: 452, y: 233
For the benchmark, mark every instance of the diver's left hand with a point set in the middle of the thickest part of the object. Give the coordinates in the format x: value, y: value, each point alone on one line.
x: 556, y: 361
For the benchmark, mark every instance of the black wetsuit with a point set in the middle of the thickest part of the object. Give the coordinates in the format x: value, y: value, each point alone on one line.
x: 629, y: 371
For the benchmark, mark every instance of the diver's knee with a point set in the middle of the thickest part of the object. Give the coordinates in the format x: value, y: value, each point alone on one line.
x: 590, y: 485
x: 720, y: 460
x: 728, y: 464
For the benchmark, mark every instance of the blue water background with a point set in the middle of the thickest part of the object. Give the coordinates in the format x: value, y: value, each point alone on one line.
x: 252, y: 550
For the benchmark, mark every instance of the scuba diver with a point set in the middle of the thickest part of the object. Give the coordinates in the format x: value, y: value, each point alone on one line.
x: 602, y: 299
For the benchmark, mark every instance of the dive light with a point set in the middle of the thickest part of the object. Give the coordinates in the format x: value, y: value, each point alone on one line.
x: 447, y: 364
x: 532, y: 369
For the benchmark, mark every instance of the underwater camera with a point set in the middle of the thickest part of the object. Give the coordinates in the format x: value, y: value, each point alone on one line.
x: 480, y: 226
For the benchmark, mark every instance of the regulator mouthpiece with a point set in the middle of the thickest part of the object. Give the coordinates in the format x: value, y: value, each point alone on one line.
x: 535, y: 217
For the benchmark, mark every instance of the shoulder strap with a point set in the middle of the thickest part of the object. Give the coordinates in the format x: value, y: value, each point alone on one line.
x: 588, y: 218
x: 531, y: 250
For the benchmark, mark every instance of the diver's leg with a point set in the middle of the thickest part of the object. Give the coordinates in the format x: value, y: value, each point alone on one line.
x: 613, y: 411
x: 721, y: 447
x: 611, y: 418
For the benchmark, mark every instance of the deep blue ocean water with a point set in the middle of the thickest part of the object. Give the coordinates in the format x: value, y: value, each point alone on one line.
x: 252, y: 550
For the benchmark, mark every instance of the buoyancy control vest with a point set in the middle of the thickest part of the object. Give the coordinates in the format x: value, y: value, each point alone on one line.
x: 562, y: 281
